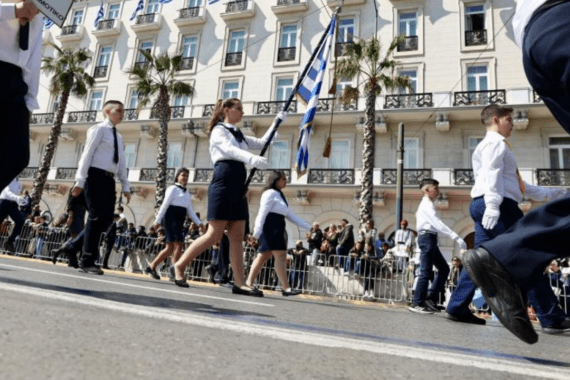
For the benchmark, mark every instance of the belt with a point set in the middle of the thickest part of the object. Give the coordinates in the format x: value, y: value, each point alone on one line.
x: 102, y: 172
x: 401, y: 242
x: 427, y: 232
x: 11, y: 68
x: 548, y: 5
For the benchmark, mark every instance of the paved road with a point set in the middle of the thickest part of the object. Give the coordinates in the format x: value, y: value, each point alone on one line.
x: 57, y: 323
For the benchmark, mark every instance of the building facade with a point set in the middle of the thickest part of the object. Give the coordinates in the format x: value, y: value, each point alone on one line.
x: 459, y: 54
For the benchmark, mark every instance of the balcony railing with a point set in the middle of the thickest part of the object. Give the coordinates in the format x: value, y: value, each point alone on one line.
x: 341, y: 48
x: 327, y: 104
x: 82, y: 116
x: 409, y: 100
x: 65, y: 173
x: 462, y: 177
x: 268, y: 108
x: 145, y: 19
x: 288, y: 2
x: 29, y: 173
x: 553, y: 177
x: 106, y: 24
x: 410, y: 43
x: 42, y: 118
x: 177, y: 112
x: 236, y: 6
x: 100, y: 71
x: 286, y: 54
x: 131, y: 114
x: 208, y: 110
x: 233, y: 59
x: 535, y: 97
x: 476, y: 37
x: 475, y: 98
x: 68, y: 30
x: 203, y: 175
x: 189, y: 12
x: 410, y: 176
x: 331, y: 176
x: 260, y: 176
x: 150, y: 174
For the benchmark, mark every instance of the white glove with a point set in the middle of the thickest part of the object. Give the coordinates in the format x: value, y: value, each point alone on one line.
x: 282, y: 115
x: 461, y: 243
x: 491, y: 217
x: 259, y: 162
x: 557, y: 193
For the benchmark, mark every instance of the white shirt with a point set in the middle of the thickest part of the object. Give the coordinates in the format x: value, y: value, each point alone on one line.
x: 30, y: 60
x: 404, y: 236
x: 525, y: 9
x: 10, y: 192
x: 427, y: 219
x: 98, y: 153
x: 176, y: 196
x: 495, y: 172
x: 224, y: 146
x: 271, y: 201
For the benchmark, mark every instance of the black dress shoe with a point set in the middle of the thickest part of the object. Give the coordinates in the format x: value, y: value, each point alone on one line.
x: 254, y: 292
x: 91, y: 269
x: 181, y: 283
x: 430, y: 305
x: 152, y: 273
x: 501, y: 291
x: 55, y: 254
x: 468, y: 318
x: 291, y: 292
x: 558, y: 328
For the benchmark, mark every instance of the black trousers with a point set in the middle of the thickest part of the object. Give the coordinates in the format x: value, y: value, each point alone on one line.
x: 100, y: 196
x: 14, y: 124
x: 11, y: 208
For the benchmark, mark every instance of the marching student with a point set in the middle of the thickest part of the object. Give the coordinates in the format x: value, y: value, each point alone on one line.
x: 9, y: 200
x: 429, y: 226
x: 270, y: 230
x: 176, y: 205
x: 101, y: 160
x: 227, y: 205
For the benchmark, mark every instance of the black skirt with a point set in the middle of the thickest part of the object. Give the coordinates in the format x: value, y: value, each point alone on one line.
x: 225, y: 194
x: 273, y: 236
x: 174, y: 224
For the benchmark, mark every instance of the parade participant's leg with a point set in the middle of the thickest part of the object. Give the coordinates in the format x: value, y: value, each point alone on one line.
x: 551, y: 317
x: 438, y: 283
x: 426, y: 243
x: 18, y: 219
x: 178, y: 249
x: 281, y: 271
x: 256, y: 267
x: 70, y: 249
x: 163, y: 255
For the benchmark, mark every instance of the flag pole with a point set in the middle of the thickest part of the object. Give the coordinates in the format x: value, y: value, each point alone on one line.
x: 290, y: 100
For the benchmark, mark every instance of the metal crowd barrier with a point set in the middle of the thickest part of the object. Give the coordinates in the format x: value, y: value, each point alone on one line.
x: 35, y: 241
x: 561, y: 288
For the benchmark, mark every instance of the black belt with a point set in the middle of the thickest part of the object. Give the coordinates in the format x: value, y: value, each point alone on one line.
x: 101, y: 171
x: 424, y: 232
x: 547, y: 5
x: 401, y: 242
x: 11, y: 68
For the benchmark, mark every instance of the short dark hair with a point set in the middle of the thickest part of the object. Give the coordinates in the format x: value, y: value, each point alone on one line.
x: 428, y: 181
x: 346, y: 221
x: 493, y: 110
x: 112, y: 103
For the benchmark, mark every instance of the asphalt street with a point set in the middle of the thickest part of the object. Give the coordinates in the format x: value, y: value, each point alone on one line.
x: 58, y: 323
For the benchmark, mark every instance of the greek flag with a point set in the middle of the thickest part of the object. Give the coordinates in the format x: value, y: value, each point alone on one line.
x: 100, y: 14
x: 165, y: 1
x: 140, y: 7
x: 210, y: 2
x: 48, y: 23
x: 308, y: 93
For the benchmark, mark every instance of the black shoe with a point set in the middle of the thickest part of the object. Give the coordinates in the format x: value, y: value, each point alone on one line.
x: 291, y: 292
x: 501, y: 291
x: 419, y: 308
x: 181, y: 283
x: 254, y: 292
x: 91, y: 269
x: 467, y: 318
x: 429, y: 304
x: 153, y: 273
x: 55, y: 254
x: 558, y: 328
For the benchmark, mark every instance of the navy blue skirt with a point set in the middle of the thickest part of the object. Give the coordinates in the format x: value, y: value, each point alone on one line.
x: 225, y: 194
x: 174, y: 224
x: 273, y: 236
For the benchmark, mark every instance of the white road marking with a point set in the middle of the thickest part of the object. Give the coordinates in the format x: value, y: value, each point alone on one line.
x: 519, y: 367
x: 88, y: 277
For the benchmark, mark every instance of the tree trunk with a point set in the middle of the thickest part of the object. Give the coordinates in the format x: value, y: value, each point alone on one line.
x: 163, y: 114
x: 47, y: 158
x: 367, y: 184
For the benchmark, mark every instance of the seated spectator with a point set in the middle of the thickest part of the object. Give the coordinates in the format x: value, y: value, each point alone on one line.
x: 353, y: 255
x: 299, y: 266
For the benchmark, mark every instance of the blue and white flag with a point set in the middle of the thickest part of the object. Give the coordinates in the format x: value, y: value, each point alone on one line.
x: 308, y: 93
x: 100, y: 14
x: 48, y: 23
x: 165, y: 1
x: 140, y: 7
x: 210, y: 2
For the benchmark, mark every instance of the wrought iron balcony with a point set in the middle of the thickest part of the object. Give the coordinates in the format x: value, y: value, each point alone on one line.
x: 553, y: 177
x: 268, y: 108
x: 65, y: 173
x: 409, y: 100
x: 82, y: 116
x: 150, y: 174
x: 208, y: 110
x: 68, y: 30
x: 176, y: 112
x: 29, y: 173
x: 476, y: 37
x: 410, y: 43
x: 203, y: 175
x: 327, y: 105
x: 331, y: 176
x: 410, y: 176
x: 187, y: 63
x: 145, y: 19
x: 477, y: 98
x: 341, y: 48
x: 288, y: 2
x: 131, y: 114
x: 236, y: 6
x: 535, y: 97
x: 233, y: 59
x: 260, y: 176
x: 189, y: 12
x: 106, y: 24
x: 142, y: 64
x: 462, y: 177
x: 42, y: 118
x: 100, y: 72
x: 286, y: 54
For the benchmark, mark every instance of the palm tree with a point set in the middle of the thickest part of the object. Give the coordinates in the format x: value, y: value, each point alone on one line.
x: 68, y: 77
x: 156, y: 77
x: 364, y: 58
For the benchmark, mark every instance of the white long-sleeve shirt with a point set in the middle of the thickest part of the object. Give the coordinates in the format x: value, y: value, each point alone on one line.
x: 495, y: 172
x: 427, y: 220
x: 271, y: 201
x: 403, y: 236
x: 98, y: 153
x: 175, y: 196
x: 30, y: 60
x: 224, y: 146
x: 11, y: 191
x: 525, y: 9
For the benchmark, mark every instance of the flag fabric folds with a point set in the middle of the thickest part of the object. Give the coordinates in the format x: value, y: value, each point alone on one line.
x: 210, y: 2
x: 165, y: 1
x: 48, y: 23
x: 140, y: 7
x: 100, y: 14
x: 308, y: 93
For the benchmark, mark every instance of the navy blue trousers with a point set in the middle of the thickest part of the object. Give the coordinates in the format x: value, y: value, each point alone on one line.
x: 11, y: 208
x: 430, y: 255
x: 75, y: 244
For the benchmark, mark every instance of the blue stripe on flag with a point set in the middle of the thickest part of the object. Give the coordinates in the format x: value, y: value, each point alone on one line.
x: 140, y: 7
x: 100, y: 14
